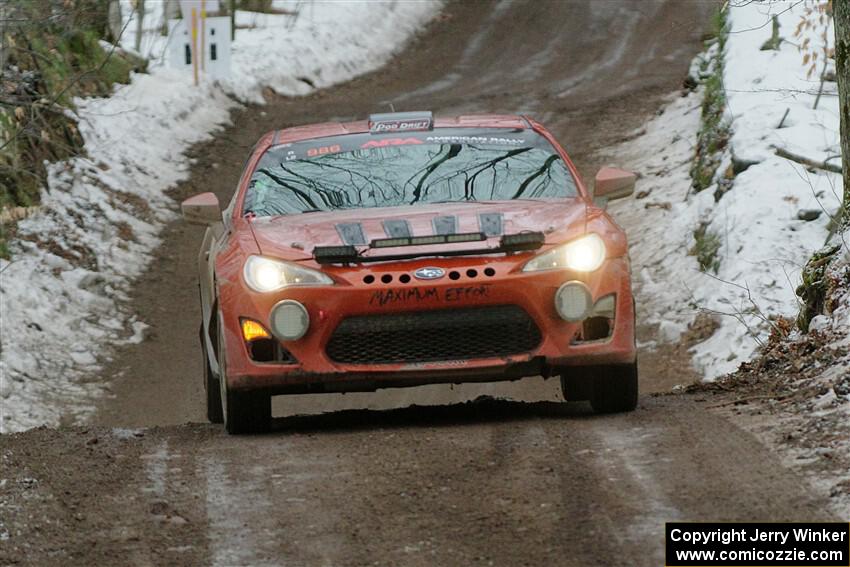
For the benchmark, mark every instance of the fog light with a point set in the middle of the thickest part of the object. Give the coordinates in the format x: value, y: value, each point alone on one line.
x: 573, y: 301
x: 289, y: 320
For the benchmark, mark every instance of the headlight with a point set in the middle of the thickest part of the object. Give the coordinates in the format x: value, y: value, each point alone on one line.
x: 265, y: 275
x: 585, y: 254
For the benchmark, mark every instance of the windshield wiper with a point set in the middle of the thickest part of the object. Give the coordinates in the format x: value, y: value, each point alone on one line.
x: 482, y: 202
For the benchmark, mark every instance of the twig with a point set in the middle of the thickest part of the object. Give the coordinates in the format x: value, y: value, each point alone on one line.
x: 739, y: 317
x: 744, y: 400
x: 756, y: 310
x: 834, y: 219
x: 769, y: 20
x: 7, y: 265
x: 822, y: 79
x: 783, y: 153
x: 54, y: 98
x: 784, y: 116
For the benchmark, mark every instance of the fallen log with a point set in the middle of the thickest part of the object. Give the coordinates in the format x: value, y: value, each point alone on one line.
x: 783, y: 153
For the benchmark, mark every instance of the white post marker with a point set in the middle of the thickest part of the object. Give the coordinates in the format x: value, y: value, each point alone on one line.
x: 203, y: 33
x: 208, y: 48
x: 195, y: 45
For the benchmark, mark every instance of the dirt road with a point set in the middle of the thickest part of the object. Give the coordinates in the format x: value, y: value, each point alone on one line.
x: 524, y: 481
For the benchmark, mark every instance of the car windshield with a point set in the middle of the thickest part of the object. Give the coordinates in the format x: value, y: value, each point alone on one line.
x: 365, y: 172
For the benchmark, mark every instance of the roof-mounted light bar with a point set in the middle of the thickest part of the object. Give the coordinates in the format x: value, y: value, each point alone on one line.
x: 335, y: 254
x: 428, y: 240
x: 400, y: 122
x: 509, y: 243
x: 522, y: 241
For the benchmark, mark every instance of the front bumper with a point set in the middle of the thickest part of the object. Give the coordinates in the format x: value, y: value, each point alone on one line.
x: 481, y: 282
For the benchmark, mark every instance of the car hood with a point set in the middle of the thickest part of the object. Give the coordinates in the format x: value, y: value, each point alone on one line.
x: 295, y: 236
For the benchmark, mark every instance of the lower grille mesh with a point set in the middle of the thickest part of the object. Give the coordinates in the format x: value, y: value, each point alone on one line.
x: 429, y: 336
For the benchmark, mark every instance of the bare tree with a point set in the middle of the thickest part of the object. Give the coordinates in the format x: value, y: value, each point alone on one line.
x: 171, y: 11
x: 232, y: 8
x: 5, y: 14
x: 842, y: 70
x: 114, y: 20
x: 140, y: 23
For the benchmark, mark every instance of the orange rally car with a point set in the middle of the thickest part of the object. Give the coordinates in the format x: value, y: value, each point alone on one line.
x: 406, y: 250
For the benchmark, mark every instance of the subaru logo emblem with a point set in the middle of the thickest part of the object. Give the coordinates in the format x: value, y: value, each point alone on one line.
x: 429, y: 273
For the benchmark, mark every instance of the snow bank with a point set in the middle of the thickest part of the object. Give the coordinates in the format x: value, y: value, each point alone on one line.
x: 61, y: 295
x: 660, y: 220
x: 764, y: 245
x: 325, y: 43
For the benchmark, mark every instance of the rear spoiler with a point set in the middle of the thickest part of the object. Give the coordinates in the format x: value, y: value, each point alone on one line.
x: 347, y: 254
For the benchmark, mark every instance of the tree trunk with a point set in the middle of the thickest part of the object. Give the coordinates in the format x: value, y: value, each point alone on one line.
x: 841, y: 12
x: 5, y: 17
x: 171, y: 11
x: 140, y: 23
x: 232, y: 20
x: 114, y: 21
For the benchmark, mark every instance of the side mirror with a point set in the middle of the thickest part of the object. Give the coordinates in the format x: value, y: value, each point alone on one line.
x: 611, y: 183
x: 201, y: 209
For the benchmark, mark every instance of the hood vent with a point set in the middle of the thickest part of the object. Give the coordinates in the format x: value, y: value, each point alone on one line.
x: 445, y: 225
x: 490, y: 223
x: 351, y: 233
x: 396, y: 228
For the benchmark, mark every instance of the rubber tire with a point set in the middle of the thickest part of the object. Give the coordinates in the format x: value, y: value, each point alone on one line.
x: 242, y: 412
x: 576, y: 384
x: 247, y: 412
x: 615, y: 388
x: 211, y: 385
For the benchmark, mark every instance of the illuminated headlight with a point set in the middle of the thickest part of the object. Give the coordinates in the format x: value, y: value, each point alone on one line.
x: 573, y: 301
x: 265, y: 275
x: 289, y: 320
x: 585, y: 254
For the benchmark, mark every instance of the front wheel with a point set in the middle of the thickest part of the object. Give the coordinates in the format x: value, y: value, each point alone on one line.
x: 247, y: 412
x: 611, y: 388
x: 243, y: 412
x: 211, y: 385
x: 616, y: 389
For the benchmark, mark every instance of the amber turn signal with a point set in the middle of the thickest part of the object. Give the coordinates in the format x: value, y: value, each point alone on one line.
x: 251, y: 330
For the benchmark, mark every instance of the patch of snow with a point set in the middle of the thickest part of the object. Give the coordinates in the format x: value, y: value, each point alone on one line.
x: 671, y: 331
x: 820, y: 323
x: 126, y: 433
x: 660, y: 220
x: 61, y: 295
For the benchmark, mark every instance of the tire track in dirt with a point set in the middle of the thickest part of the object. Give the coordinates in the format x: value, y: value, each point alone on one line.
x: 499, y: 482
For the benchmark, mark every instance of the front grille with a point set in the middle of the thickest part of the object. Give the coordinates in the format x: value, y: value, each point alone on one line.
x: 428, y: 336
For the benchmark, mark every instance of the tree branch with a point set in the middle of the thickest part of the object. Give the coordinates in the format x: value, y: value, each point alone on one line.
x: 783, y: 153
